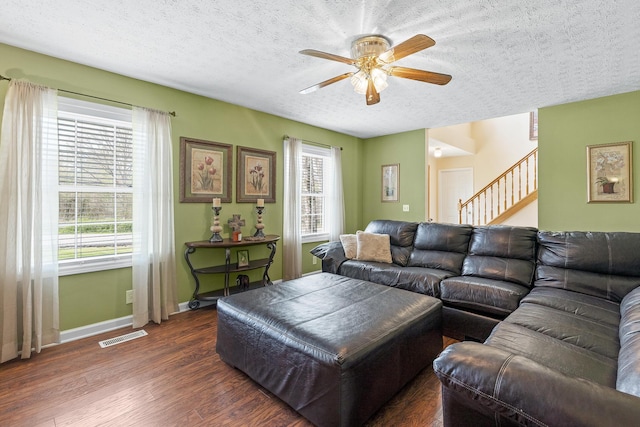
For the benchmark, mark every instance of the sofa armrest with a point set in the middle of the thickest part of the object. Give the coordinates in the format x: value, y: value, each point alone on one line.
x: 331, y: 254
x: 496, y: 383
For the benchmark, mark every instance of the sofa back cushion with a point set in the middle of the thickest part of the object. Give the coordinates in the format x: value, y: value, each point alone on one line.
x: 401, y: 235
x: 502, y: 253
x: 602, y: 264
x: 628, y: 361
x: 440, y: 246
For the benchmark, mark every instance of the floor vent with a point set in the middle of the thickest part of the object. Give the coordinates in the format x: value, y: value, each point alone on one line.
x: 122, y: 338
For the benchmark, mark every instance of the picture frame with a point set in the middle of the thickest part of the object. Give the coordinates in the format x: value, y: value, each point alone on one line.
x: 610, y: 173
x: 533, y: 125
x: 256, y: 175
x: 243, y: 258
x: 390, y: 190
x: 205, y: 171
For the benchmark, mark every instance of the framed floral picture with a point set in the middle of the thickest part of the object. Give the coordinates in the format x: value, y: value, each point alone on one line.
x: 609, y: 173
x: 390, y: 182
x: 256, y: 175
x: 205, y: 171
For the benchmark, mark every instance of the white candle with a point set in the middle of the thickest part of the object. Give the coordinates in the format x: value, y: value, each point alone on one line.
x: 216, y: 202
x: 260, y: 203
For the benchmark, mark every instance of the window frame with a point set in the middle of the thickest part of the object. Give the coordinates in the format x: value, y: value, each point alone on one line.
x: 325, y: 153
x: 70, y: 108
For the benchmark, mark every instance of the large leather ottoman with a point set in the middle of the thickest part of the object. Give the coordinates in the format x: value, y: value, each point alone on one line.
x: 334, y: 348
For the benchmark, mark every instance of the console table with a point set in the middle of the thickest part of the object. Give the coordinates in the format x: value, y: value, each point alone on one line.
x: 228, y: 267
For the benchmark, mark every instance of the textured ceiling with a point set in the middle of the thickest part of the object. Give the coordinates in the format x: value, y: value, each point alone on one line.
x: 505, y: 56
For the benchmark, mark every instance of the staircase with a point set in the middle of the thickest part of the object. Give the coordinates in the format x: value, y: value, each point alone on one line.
x: 504, y: 196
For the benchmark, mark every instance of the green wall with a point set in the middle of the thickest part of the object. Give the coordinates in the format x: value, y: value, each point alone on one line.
x: 564, y: 133
x: 407, y: 149
x: 96, y: 297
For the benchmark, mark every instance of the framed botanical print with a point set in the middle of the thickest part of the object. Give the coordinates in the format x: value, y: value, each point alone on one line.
x: 390, y: 183
x: 256, y: 175
x: 609, y: 173
x: 205, y: 171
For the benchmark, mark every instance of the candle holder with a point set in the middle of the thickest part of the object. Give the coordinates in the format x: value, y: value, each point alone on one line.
x: 259, y: 225
x: 216, y: 228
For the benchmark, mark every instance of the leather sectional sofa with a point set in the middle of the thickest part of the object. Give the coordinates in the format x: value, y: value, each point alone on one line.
x: 559, y: 314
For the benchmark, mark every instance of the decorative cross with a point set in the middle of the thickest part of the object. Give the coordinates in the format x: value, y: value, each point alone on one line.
x: 235, y: 223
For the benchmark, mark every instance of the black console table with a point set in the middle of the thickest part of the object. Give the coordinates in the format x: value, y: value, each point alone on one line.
x: 228, y: 267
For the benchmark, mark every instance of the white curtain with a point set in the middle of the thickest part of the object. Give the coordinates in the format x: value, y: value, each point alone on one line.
x: 154, y: 269
x: 335, y: 213
x: 291, y: 239
x: 28, y: 220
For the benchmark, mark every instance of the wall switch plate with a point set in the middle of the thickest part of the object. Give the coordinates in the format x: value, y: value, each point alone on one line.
x: 405, y: 208
x: 314, y: 259
x: 129, y: 297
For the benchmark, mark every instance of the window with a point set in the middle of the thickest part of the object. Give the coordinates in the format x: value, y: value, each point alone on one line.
x: 316, y: 163
x: 95, y: 186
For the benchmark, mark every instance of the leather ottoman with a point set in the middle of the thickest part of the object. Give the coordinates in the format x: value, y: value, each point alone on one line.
x: 334, y: 348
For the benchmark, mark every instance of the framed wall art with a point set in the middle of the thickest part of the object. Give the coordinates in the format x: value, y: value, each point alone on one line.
x: 205, y: 171
x: 533, y: 125
x: 390, y: 182
x: 256, y: 175
x: 609, y: 173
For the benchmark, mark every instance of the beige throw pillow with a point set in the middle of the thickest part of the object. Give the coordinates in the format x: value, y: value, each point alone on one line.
x: 373, y: 247
x: 350, y: 245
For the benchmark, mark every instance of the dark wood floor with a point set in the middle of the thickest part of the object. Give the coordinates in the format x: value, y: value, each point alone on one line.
x: 172, y: 377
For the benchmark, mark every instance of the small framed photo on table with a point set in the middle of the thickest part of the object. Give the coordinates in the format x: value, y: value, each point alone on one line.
x: 243, y: 258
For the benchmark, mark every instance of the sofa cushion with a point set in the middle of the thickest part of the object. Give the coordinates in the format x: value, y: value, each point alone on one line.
x: 628, y: 360
x: 401, y: 235
x: 482, y: 295
x: 504, y: 241
x: 502, y: 253
x: 597, y: 309
x: 416, y: 279
x: 570, y: 328
x: 440, y: 246
x: 373, y: 247
x: 601, y: 264
x: 571, y: 360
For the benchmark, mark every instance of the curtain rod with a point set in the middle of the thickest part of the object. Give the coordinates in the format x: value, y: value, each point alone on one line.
x: 316, y: 143
x: 171, y: 113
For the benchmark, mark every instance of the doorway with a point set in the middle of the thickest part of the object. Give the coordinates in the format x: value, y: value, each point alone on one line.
x: 453, y: 185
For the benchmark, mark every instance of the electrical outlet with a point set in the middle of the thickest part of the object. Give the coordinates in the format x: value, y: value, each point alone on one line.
x: 405, y: 208
x: 129, y: 297
x: 314, y: 259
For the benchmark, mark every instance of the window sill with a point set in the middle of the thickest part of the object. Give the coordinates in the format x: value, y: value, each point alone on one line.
x: 68, y: 268
x: 312, y: 238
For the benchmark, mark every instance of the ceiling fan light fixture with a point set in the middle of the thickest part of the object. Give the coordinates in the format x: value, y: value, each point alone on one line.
x: 360, y: 81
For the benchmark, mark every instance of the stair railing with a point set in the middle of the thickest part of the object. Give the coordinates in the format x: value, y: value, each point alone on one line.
x: 512, y: 186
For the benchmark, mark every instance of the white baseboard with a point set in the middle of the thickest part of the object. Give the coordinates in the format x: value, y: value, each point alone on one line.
x: 121, y: 322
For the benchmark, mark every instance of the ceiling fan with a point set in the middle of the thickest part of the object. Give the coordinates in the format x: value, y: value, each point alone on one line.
x: 372, y: 56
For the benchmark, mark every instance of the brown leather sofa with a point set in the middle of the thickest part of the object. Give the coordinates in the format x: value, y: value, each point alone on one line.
x: 569, y: 354
x: 559, y: 314
x: 479, y: 273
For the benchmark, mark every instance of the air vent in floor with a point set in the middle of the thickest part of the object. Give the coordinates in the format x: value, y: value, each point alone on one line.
x: 122, y: 338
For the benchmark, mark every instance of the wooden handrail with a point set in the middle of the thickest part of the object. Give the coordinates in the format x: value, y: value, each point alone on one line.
x: 485, y: 197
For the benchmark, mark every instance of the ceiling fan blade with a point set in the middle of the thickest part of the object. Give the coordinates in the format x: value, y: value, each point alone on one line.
x: 406, y: 48
x: 325, y: 55
x: 373, y: 97
x: 420, y: 75
x: 326, y: 83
